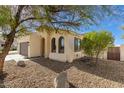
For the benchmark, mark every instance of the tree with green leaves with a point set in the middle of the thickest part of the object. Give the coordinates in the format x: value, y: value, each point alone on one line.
x: 122, y: 27
x: 96, y: 42
x: 18, y: 20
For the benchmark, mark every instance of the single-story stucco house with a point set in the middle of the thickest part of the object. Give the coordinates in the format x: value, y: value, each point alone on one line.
x: 61, y: 45
x: 1, y: 43
x: 13, y: 47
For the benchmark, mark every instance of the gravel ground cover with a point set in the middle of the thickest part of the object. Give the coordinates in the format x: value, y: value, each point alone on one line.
x: 31, y: 76
x: 83, y: 79
x: 40, y: 73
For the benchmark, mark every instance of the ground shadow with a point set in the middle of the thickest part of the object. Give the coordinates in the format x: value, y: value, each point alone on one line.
x: 104, y: 70
x: 55, y: 66
x: 2, y: 77
x: 71, y: 85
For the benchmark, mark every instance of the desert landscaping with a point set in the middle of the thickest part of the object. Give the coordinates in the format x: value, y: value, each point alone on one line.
x: 40, y: 73
x: 61, y: 46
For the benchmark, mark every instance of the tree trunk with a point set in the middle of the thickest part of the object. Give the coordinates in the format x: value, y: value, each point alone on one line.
x: 6, y: 48
x: 97, y: 57
x: 1, y: 65
x: 10, y: 38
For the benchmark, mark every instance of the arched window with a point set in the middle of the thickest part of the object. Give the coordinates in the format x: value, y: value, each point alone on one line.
x: 53, y: 45
x: 61, y: 45
x: 77, y: 44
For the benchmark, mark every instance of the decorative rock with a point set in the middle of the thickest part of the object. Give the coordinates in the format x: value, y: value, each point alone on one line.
x: 61, y: 81
x: 21, y: 63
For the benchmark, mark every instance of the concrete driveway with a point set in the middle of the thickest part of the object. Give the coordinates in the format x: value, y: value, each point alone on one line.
x: 15, y: 57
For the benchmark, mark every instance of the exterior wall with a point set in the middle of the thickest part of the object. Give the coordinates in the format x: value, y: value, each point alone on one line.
x: 69, y: 54
x: 34, y: 48
x: 1, y: 42
x: 46, y: 36
x: 122, y: 53
x: 35, y: 45
x: 78, y: 55
x: 72, y: 55
x: 58, y: 56
x: 70, y: 48
x: 103, y: 55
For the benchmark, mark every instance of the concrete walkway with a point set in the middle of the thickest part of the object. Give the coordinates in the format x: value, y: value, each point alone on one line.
x: 15, y: 57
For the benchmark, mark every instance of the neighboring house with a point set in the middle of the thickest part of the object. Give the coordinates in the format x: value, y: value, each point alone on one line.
x: 13, y: 47
x: 62, y: 45
x: 1, y: 43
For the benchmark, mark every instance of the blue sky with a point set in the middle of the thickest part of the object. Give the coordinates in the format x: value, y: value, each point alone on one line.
x: 113, y: 26
x: 110, y: 24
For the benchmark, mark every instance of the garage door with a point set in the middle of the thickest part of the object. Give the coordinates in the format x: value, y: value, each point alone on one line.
x: 24, y: 48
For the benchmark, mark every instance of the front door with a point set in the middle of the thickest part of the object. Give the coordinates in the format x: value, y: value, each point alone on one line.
x: 42, y: 47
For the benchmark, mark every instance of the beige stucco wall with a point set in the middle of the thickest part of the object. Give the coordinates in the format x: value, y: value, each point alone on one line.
x: 78, y: 55
x: 58, y: 56
x: 103, y: 55
x: 69, y: 55
x: 35, y: 46
x: 46, y: 36
x: 70, y: 49
x: 122, y: 53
